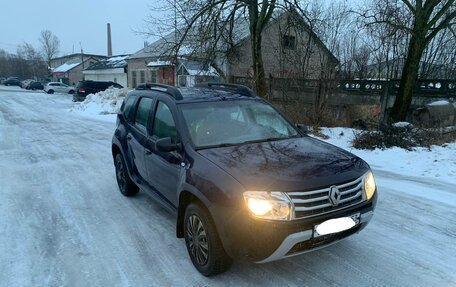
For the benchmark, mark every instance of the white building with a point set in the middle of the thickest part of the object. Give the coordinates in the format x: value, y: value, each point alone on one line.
x: 111, y: 69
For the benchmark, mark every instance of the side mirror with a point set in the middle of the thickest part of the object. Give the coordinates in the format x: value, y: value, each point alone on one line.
x: 302, y: 128
x: 166, y: 145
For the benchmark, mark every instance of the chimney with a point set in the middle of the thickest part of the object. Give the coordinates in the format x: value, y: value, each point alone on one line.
x: 109, y: 41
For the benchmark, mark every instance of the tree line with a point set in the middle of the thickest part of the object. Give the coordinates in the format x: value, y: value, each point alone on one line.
x: 29, y: 62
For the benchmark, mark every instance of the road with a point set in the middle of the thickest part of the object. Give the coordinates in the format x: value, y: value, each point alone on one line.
x: 64, y: 223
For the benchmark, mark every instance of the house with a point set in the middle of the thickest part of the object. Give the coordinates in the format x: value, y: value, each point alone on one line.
x: 289, y: 47
x: 68, y: 69
x: 112, y: 69
x: 71, y: 71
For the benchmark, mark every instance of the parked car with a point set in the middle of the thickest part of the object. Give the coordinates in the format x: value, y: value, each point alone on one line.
x: 35, y: 86
x: 242, y: 180
x: 12, y: 82
x: 87, y: 87
x: 56, y: 87
x: 2, y: 80
x: 25, y: 83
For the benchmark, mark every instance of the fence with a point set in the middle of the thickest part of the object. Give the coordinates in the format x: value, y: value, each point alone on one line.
x: 347, y: 100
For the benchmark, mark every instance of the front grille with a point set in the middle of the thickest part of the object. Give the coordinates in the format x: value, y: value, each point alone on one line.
x: 316, y: 202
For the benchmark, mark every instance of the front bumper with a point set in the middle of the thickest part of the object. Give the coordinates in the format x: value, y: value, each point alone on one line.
x: 303, y: 242
x: 264, y: 241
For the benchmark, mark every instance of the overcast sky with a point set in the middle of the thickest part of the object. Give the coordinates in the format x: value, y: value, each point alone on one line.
x: 74, y: 22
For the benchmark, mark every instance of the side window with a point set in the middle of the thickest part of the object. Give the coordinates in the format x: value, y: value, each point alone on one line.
x: 127, y: 109
x: 142, y: 114
x: 164, y: 125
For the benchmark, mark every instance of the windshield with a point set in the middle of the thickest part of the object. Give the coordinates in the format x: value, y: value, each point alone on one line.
x: 234, y: 122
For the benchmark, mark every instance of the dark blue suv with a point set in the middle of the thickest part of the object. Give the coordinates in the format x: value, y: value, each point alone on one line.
x: 242, y: 179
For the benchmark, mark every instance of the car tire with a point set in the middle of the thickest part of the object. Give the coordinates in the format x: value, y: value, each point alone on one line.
x: 203, y: 243
x: 126, y: 186
x: 50, y: 91
x: 71, y: 92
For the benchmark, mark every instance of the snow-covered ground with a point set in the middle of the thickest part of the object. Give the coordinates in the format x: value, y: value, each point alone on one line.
x: 64, y: 223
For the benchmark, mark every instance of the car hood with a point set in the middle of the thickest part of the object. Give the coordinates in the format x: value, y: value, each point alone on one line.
x: 287, y: 165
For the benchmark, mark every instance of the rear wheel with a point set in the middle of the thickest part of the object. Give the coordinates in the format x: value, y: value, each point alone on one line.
x: 50, y: 91
x: 71, y: 92
x: 203, y: 243
x: 126, y: 186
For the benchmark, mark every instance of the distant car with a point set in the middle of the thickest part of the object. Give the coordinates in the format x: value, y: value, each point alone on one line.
x: 12, y: 82
x: 56, y: 87
x: 35, y: 86
x: 25, y: 83
x: 2, y: 80
x: 92, y: 87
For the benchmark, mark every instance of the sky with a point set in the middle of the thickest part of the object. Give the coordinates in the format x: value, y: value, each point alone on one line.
x: 76, y: 23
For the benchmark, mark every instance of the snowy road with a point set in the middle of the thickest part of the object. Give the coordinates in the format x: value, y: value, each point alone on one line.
x: 64, y: 223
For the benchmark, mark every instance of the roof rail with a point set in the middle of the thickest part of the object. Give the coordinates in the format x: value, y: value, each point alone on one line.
x: 170, y: 90
x: 240, y: 89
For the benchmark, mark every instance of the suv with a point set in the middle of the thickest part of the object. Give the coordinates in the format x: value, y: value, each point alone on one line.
x: 57, y: 87
x: 92, y: 87
x: 242, y: 180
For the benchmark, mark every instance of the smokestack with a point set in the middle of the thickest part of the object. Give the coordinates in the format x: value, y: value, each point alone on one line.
x: 109, y: 41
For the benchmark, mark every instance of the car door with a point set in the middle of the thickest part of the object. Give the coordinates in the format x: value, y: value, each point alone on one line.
x: 164, y: 168
x: 137, y: 136
x: 58, y: 88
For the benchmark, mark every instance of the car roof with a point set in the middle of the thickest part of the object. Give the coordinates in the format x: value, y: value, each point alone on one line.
x: 202, y: 92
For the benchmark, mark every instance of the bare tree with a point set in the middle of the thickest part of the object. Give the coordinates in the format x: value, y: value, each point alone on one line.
x: 211, y: 24
x: 50, y: 45
x: 426, y: 19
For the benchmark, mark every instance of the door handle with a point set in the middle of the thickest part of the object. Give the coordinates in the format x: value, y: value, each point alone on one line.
x: 128, y: 137
x: 148, y: 151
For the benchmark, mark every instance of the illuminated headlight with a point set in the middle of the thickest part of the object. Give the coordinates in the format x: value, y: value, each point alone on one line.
x: 268, y: 205
x: 369, y: 185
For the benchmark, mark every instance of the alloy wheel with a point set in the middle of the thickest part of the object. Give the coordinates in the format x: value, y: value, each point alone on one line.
x: 197, y: 240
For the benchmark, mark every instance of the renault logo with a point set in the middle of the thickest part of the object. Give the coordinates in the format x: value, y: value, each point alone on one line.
x: 334, y: 195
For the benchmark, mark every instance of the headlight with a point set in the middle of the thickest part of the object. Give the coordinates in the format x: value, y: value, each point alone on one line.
x: 268, y: 205
x: 369, y: 185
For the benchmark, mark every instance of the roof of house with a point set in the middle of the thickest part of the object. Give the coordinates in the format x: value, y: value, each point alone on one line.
x: 67, y: 66
x: 195, y: 68
x: 110, y: 63
x: 241, y: 32
x: 79, y: 54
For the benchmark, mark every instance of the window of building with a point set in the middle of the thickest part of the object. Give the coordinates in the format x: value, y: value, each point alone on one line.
x: 153, y: 76
x: 142, y: 76
x: 133, y: 79
x: 289, y: 42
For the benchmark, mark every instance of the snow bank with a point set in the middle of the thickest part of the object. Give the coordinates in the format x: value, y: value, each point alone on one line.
x: 437, y: 163
x: 439, y: 103
x: 107, y: 102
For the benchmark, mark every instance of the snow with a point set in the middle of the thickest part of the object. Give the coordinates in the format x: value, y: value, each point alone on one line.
x: 159, y: 63
x: 117, y: 58
x: 439, y: 103
x: 437, y: 164
x: 107, y: 102
x: 402, y: 124
x: 64, y: 222
x: 65, y: 67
